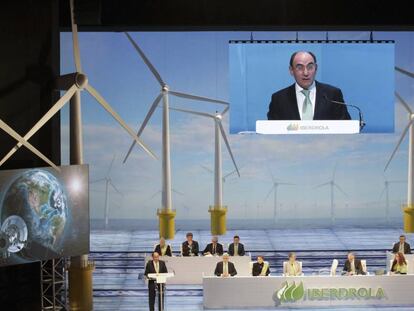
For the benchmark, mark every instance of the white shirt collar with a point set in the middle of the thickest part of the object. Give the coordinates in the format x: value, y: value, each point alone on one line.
x: 298, y: 88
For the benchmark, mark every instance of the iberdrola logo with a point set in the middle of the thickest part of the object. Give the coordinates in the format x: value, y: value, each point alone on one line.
x: 293, y: 127
x: 289, y: 293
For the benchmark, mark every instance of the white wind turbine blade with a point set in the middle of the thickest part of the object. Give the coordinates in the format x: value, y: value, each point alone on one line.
x: 177, y: 192
x: 207, y: 169
x: 113, y: 186
x: 110, y: 167
x: 334, y: 171
x: 48, y: 115
x: 109, y: 109
x: 225, y: 110
x: 144, y: 124
x: 146, y: 60
x: 75, y: 38
x: 96, y: 181
x: 268, y: 194
x: 154, y: 195
x: 321, y: 185
x: 196, y: 97
x: 404, y: 132
x: 228, y: 146
x: 229, y: 174
x: 405, y: 72
x: 340, y: 189
x: 25, y: 143
x: 198, y: 113
x: 402, y: 101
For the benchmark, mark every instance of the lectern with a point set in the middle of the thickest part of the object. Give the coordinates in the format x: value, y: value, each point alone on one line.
x: 160, y: 278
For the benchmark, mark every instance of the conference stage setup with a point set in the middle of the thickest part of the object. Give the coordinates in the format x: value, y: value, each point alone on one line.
x: 206, y: 155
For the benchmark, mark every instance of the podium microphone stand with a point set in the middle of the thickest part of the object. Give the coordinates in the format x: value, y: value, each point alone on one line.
x: 160, y: 278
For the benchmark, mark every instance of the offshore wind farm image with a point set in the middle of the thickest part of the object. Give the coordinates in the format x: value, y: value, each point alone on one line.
x: 279, y: 193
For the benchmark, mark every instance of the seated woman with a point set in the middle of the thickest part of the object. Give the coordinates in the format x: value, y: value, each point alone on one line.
x: 163, y: 249
x: 260, y: 268
x: 399, y: 265
x: 292, y: 267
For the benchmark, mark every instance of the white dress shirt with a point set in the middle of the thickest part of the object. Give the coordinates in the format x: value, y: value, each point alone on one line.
x: 300, y: 97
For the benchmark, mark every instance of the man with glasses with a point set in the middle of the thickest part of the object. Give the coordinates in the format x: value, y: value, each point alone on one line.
x: 307, y: 99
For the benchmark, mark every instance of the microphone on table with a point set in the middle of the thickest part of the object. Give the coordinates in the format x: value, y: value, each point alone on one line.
x: 361, y: 118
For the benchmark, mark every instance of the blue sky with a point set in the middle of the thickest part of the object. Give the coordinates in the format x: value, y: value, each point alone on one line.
x: 197, y: 63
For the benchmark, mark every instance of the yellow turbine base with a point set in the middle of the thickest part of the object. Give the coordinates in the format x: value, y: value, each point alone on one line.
x: 408, y: 218
x: 166, y: 223
x: 80, y: 288
x: 218, y: 219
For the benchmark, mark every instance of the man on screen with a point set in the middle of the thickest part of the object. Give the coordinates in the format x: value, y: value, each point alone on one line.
x: 307, y: 99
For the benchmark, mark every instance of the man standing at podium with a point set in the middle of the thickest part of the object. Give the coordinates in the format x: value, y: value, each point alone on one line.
x: 155, y: 266
x: 307, y: 99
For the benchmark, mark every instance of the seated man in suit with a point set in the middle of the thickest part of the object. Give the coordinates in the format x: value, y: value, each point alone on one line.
x: 307, y: 99
x: 225, y: 268
x: 163, y: 248
x: 189, y: 247
x: 260, y: 268
x: 352, y: 265
x: 292, y: 267
x: 155, y: 266
x: 402, y: 246
x: 236, y: 248
x: 213, y: 248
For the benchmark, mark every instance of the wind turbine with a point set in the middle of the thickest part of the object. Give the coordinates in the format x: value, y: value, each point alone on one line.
x: 217, y: 223
x: 166, y: 214
x: 332, y: 185
x: 24, y: 142
x: 73, y: 84
x: 274, y: 189
x: 108, y: 182
x: 225, y: 177
x: 409, y: 208
x: 385, y: 190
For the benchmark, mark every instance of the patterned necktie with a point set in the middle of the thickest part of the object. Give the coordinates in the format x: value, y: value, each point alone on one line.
x: 214, y: 249
x: 307, y: 111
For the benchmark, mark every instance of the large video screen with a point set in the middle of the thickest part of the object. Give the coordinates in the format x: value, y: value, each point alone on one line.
x: 267, y: 79
x: 44, y: 214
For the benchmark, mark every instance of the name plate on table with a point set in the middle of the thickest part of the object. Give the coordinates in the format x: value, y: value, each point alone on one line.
x: 307, y: 127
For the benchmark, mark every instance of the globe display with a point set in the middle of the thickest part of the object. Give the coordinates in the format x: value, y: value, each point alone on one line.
x: 40, y: 200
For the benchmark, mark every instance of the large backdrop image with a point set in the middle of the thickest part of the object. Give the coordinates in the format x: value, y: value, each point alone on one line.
x: 284, y: 181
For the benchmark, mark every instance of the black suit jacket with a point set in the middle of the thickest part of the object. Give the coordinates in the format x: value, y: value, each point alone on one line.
x: 219, y: 269
x: 149, y: 268
x: 257, y: 269
x: 396, y: 248
x: 158, y: 250
x: 358, y: 266
x: 186, y: 249
x: 209, y: 248
x: 240, y: 249
x: 283, y: 105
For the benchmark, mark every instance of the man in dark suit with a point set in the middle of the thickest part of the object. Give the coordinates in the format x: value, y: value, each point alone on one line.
x: 214, y: 248
x: 307, y: 99
x: 189, y: 247
x: 155, y: 266
x: 236, y: 248
x: 163, y: 248
x: 353, y: 266
x: 225, y: 268
x: 260, y: 268
x: 402, y: 246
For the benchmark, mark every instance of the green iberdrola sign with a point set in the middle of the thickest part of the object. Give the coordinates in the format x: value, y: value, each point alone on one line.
x: 290, y: 293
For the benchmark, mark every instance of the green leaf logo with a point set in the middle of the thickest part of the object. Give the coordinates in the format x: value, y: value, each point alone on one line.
x: 289, y: 293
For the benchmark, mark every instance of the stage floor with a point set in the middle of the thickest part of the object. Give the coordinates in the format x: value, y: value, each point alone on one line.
x: 122, y: 290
